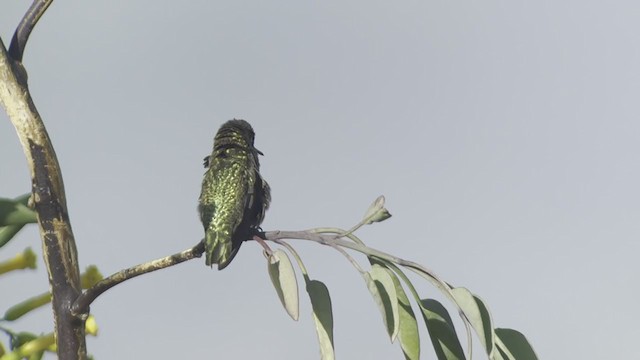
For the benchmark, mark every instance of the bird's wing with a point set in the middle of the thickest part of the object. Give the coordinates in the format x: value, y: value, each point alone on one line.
x: 206, y: 213
x: 263, y: 195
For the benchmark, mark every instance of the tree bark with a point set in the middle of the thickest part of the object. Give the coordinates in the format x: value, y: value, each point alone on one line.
x: 48, y: 199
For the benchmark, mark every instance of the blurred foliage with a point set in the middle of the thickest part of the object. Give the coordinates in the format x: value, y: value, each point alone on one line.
x: 14, y: 215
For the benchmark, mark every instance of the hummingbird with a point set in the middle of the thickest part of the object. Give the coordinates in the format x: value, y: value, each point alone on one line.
x: 234, y: 195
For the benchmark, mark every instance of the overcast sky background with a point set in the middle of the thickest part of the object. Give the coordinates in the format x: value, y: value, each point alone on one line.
x: 504, y: 135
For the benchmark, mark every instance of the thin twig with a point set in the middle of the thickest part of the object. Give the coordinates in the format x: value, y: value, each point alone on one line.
x: 267, y: 249
x: 350, y: 258
x: 80, y: 307
x: 295, y: 254
x: 24, y: 29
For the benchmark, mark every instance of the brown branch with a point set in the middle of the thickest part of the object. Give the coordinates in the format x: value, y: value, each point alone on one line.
x: 81, y: 306
x: 58, y: 244
x: 24, y: 29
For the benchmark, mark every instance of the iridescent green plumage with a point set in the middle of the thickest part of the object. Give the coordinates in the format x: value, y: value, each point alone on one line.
x: 234, y: 196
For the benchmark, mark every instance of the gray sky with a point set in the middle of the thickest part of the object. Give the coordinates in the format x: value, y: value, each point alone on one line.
x: 504, y: 135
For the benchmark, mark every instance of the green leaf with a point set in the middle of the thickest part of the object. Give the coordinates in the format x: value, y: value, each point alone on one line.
x: 376, y: 212
x: 41, y: 343
x: 408, y: 331
x: 17, y: 311
x: 37, y: 356
x: 441, y: 330
x: 322, y: 317
x: 498, y: 354
x: 8, y: 232
x: 21, y: 338
x: 478, y: 315
x: 514, y: 345
x: 284, y: 280
x: 380, y: 285
x: 25, y: 260
x: 15, y: 212
x: 90, y: 277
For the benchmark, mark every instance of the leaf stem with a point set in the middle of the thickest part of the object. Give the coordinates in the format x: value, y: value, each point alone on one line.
x: 296, y: 256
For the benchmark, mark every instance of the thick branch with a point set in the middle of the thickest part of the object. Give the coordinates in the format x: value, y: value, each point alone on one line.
x: 58, y: 243
x: 81, y: 306
x: 24, y: 29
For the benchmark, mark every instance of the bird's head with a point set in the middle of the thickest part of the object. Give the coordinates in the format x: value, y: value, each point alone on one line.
x: 236, y: 132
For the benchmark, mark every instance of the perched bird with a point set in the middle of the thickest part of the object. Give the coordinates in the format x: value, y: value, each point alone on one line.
x: 234, y: 195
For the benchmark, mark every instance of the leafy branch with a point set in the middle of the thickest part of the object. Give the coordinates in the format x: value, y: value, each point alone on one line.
x: 385, y: 282
x: 385, y: 279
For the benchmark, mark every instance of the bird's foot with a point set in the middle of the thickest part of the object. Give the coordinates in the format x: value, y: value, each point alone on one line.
x: 257, y: 231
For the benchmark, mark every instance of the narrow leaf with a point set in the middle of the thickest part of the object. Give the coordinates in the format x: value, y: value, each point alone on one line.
x: 37, y: 345
x: 17, y: 311
x: 514, y: 345
x: 284, y: 280
x: 21, y: 338
x: 8, y: 232
x: 37, y: 356
x: 24, y: 260
x: 381, y: 287
x: 408, y: 331
x: 87, y: 279
x: 322, y: 317
x: 441, y: 330
x: 498, y: 354
x: 478, y: 315
x: 15, y: 212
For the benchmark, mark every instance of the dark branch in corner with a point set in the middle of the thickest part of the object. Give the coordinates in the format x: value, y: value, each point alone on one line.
x: 24, y: 29
x: 80, y: 307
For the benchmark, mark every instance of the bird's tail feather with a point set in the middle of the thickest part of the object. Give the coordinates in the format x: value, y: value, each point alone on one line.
x: 218, y: 249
